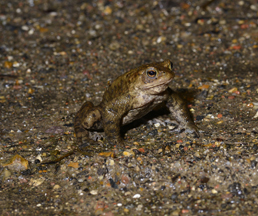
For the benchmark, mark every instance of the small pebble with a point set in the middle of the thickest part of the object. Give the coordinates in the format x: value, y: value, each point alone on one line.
x: 94, y: 192
x: 56, y: 187
x: 136, y: 196
x: 214, y: 191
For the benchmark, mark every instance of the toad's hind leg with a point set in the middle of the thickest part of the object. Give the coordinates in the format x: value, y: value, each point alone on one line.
x: 87, y: 118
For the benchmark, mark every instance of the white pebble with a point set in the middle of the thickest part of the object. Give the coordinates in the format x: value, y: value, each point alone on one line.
x: 94, y: 192
x: 157, y: 125
x: 16, y: 64
x: 253, y: 7
x: 25, y: 28
x: 30, y: 32
x: 171, y: 127
x: 136, y: 196
x: 214, y: 191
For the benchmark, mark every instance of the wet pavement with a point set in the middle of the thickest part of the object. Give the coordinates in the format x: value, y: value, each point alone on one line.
x: 55, y: 55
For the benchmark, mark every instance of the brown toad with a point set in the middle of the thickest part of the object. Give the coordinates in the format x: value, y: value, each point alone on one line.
x: 131, y: 96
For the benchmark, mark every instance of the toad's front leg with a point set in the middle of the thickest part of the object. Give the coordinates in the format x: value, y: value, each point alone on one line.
x: 181, y: 113
x: 111, y: 124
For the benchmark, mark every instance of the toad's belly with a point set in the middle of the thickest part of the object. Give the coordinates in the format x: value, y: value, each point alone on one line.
x: 139, y: 112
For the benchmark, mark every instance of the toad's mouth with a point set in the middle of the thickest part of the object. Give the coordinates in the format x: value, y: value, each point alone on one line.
x: 158, y: 84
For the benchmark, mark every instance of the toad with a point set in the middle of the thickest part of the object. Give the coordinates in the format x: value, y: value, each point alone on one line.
x: 130, y: 97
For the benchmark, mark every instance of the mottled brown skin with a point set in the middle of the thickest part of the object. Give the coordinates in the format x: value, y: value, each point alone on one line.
x: 131, y: 96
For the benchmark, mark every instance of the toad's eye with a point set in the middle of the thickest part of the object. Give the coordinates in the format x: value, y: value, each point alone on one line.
x: 170, y: 65
x: 151, y: 73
